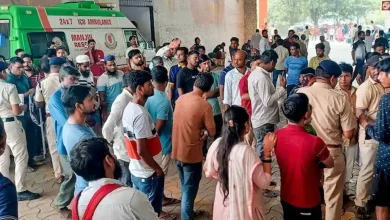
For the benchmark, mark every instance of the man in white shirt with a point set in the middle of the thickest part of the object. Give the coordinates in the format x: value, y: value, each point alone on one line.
x: 143, y: 143
x: 134, y: 45
x: 167, y: 53
x: 282, y: 55
x: 264, y: 98
x: 256, y: 39
x: 234, y: 43
x: 101, y: 169
x: 327, y: 46
x: 369, y: 39
x: 307, y: 33
x: 231, y: 92
x: 264, y: 43
x: 113, y: 130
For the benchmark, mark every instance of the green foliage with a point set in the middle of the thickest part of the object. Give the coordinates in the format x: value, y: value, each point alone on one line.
x: 288, y: 12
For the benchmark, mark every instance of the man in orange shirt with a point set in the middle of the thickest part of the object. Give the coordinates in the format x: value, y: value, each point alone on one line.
x: 193, y: 115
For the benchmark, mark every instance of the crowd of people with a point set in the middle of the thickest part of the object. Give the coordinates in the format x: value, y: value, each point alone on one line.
x: 113, y: 138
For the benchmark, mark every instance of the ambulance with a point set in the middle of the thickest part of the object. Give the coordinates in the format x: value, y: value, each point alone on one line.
x: 70, y: 25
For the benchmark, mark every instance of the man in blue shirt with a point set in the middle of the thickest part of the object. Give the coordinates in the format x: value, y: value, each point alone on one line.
x: 181, y: 55
x: 8, y: 197
x: 68, y: 76
x: 79, y: 103
x: 294, y: 65
x: 24, y: 87
x: 159, y: 107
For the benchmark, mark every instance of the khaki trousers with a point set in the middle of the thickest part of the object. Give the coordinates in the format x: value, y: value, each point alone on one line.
x: 334, y: 185
x: 350, y: 154
x: 166, y: 159
x: 367, y: 150
x: 51, y: 139
x: 17, y: 144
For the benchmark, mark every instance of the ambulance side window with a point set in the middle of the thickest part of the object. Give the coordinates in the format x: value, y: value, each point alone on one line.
x: 4, y: 39
x: 40, y: 42
x: 140, y: 40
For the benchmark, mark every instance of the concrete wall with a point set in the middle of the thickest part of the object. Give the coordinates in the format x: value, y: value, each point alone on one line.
x: 213, y: 21
x: 141, y: 15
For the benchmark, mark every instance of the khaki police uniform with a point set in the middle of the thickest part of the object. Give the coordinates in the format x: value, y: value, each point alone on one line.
x: 45, y: 88
x: 331, y: 116
x: 368, y: 96
x: 350, y: 146
x: 16, y: 137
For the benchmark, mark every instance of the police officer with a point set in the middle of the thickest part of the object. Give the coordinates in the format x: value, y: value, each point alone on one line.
x: 368, y: 95
x: 332, y: 118
x: 16, y: 137
x: 45, y: 88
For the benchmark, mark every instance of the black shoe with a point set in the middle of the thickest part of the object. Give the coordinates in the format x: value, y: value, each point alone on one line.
x: 362, y: 213
x: 27, y: 195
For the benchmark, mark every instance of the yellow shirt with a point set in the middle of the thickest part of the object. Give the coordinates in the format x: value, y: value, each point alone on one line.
x: 315, y: 61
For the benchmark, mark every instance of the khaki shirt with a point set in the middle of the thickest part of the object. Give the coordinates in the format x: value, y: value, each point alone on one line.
x: 331, y: 112
x: 352, y: 100
x: 368, y: 96
x: 46, y: 88
x: 8, y: 97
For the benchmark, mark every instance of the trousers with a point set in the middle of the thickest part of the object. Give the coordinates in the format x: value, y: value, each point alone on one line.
x: 17, y: 144
x: 368, y: 150
x: 51, y: 140
x: 334, y: 185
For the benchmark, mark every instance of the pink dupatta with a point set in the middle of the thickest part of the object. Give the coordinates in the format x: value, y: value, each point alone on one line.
x: 246, y: 181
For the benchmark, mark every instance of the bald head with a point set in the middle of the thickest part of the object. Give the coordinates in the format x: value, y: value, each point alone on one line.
x: 240, y: 59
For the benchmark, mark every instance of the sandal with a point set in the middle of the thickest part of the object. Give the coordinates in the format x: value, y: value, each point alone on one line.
x: 199, y: 213
x: 270, y: 194
x: 166, y: 216
x: 171, y: 201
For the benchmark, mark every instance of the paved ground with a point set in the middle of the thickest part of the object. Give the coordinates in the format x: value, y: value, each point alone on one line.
x: 42, y: 181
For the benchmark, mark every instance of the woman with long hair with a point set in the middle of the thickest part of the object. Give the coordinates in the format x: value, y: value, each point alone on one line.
x: 241, y: 174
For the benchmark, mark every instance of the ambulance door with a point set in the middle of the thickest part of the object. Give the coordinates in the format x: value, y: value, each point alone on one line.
x: 40, y: 42
x: 149, y: 51
x: 5, y: 47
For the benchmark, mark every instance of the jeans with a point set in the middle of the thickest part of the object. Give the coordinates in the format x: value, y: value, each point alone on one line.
x: 66, y: 191
x: 126, y: 175
x: 153, y: 188
x: 33, y: 137
x: 260, y: 133
x: 190, y: 175
x: 275, y: 75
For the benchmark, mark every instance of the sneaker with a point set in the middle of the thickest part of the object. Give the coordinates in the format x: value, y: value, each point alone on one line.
x: 27, y: 195
x: 362, y: 213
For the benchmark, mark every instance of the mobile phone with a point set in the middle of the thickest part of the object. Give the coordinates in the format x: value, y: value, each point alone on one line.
x: 284, y: 74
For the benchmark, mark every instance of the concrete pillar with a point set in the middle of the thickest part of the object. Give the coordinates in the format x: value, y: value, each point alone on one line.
x: 250, y: 19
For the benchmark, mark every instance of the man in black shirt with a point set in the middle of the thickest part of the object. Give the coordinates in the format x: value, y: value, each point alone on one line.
x: 186, y: 77
x: 381, y: 40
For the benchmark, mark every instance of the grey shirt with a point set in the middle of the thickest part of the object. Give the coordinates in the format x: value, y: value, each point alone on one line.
x: 264, y: 98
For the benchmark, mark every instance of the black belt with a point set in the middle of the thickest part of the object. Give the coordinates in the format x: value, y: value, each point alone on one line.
x: 9, y: 119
